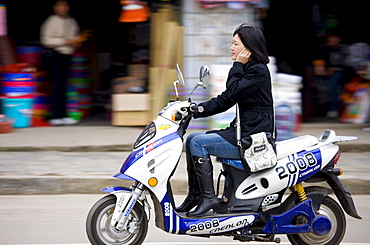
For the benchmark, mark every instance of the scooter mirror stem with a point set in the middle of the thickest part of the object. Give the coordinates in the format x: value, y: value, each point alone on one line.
x: 176, y: 91
x: 195, y: 87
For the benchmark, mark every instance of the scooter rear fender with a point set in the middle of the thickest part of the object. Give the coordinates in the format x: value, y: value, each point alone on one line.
x: 343, y: 195
x: 317, y: 194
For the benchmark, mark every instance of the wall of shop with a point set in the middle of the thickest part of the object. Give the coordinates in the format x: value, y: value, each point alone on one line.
x: 208, y: 35
x: 207, y: 40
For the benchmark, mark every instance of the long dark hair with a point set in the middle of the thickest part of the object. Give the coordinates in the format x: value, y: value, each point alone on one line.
x: 253, y: 39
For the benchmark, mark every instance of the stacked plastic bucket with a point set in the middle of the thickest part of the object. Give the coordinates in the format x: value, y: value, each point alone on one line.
x: 18, y: 91
x: 73, y: 103
x: 30, y: 55
x: 79, y: 98
x: 41, y: 106
x: 3, y: 25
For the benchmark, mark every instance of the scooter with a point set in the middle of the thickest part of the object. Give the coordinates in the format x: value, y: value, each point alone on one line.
x: 252, y: 206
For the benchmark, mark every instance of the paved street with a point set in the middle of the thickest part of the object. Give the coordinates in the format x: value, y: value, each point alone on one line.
x: 82, y: 160
x: 58, y: 169
x: 61, y: 160
x: 60, y: 219
x: 36, y: 172
x: 106, y: 164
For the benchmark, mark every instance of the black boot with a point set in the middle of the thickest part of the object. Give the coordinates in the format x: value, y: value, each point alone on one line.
x: 193, y: 196
x: 208, y: 199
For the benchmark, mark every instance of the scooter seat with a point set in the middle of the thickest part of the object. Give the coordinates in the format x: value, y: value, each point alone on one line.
x: 288, y: 147
x: 236, y: 163
x: 283, y: 149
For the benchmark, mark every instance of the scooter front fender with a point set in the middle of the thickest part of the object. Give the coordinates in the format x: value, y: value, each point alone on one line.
x: 123, y: 196
x: 114, y: 189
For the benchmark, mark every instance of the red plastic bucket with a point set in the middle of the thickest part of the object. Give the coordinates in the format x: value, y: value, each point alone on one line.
x: 18, y: 84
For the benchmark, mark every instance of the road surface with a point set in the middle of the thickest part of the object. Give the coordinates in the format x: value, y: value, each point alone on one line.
x: 60, y: 219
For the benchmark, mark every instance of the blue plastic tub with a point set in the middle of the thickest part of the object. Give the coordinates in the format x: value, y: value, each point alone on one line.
x: 20, y: 110
x: 28, y: 49
x: 29, y: 90
x: 17, y: 76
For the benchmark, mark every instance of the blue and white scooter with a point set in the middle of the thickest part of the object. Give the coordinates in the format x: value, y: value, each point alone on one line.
x: 252, y: 207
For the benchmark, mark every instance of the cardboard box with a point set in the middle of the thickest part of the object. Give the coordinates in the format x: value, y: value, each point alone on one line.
x: 130, y: 102
x: 130, y: 109
x: 138, y: 71
x: 123, y: 84
x: 130, y: 118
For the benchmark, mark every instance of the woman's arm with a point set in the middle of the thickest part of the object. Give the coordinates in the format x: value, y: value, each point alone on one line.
x: 215, y: 105
x: 241, y: 84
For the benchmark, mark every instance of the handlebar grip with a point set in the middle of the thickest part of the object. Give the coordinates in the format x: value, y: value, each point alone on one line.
x: 195, y: 108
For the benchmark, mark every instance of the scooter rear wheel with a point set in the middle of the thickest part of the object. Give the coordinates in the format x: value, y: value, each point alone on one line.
x: 334, y: 213
x: 100, y: 232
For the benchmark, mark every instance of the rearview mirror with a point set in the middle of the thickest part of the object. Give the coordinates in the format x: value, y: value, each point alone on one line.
x: 204, y: 77
x: 203, y: 80
x: 180, y: 78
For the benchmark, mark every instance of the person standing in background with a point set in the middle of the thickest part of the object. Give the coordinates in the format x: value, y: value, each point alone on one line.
x: 60, y: 34
x: 330, y: 68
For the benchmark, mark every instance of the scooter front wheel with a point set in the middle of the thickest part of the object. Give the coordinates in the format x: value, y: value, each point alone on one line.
x: 99, y: 229
x: 334, y: 213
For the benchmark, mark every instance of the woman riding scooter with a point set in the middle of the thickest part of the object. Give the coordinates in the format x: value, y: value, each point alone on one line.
x: 249, y: 85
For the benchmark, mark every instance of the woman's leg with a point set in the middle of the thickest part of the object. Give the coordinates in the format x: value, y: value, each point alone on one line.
x: 190, y: 138
x: 193, y: 197
x: 212, y: 144
x: 201, y: 147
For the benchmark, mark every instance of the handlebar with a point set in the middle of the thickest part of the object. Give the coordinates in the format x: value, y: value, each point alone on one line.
x: 196, y: 108
x: 186, y: 119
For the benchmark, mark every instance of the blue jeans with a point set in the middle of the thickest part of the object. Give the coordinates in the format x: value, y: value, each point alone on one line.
x: 200, y: 144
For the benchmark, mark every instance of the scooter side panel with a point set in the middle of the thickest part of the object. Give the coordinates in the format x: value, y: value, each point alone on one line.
x: 328, y: 152
x: 201, y: 226
x: 288, y: 172
x: 157, y: 158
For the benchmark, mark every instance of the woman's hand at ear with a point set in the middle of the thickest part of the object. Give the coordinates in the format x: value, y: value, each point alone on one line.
x: 244, y: 56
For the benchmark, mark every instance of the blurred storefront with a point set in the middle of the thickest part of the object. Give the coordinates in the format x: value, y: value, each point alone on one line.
x: 325, y: 42
x: 130, y: 56
x: 113, y: 61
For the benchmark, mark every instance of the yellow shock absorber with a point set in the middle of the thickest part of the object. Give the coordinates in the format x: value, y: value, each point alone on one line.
x: 301, y: 192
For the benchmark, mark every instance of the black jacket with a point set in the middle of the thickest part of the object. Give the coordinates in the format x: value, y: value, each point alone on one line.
x: 250, y: 86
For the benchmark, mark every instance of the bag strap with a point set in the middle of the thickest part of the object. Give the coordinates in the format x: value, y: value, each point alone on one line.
x: 238, y: 130
x: 274, y: 128
x: 238, y: 127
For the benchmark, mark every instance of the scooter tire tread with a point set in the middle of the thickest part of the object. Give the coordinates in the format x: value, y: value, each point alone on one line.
x: 340, y: 219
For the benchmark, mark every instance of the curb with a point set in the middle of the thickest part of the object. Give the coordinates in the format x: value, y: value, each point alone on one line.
x: 82, y: 148
x: 47, y: 185
x: 354, y: 147
x: 128, y: 147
